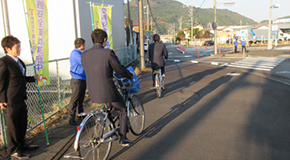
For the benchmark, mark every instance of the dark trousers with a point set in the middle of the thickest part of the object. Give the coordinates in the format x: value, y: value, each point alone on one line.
x: 153, y: 75
x: 121, y: 108
x: 236, y: 49
x: 16, y: 121
x: 243, y: 49
x: 77, y: 98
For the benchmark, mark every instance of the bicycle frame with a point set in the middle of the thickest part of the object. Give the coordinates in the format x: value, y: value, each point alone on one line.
x: 106, y: 135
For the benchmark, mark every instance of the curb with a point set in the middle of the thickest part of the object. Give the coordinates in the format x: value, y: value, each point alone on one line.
x: 180, y: 50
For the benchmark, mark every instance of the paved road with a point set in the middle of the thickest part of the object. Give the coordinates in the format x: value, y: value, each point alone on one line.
x: 212, y: 112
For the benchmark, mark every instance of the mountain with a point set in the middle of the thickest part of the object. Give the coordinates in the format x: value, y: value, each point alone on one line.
x: 166, y: 12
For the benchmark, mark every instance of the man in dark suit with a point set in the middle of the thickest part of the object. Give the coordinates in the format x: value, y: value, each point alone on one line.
x: 157, y: 55
x: 13, y: 96
x: 99, y: 64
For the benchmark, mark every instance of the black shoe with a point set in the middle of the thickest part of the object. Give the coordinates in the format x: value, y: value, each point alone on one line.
x: 19, y: 155
x: 125, y: 142
x: 29, y: 147
x: 72, y: 122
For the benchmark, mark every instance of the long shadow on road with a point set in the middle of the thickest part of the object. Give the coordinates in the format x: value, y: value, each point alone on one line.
x: 177, y: 110
x: 178, y: 85
x: 265, y: 136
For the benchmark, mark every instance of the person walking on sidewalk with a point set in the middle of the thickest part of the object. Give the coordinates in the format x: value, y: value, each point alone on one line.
x: 13, y: 95
x: 236, y: 46
x: 99, y: 64
x: 78, y: 80
x: 157, y: 55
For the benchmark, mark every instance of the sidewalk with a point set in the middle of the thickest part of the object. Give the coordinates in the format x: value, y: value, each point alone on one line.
x: 60, y: 134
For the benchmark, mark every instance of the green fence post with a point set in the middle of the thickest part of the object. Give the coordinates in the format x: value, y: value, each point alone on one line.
x: 58, y: 85
x: 3, y: 129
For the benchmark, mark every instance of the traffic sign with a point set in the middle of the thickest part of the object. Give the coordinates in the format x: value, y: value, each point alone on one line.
x: 214, y: 25
x: 147, y: 33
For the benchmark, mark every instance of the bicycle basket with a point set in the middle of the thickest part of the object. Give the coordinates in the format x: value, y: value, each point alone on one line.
x: 133, y: 85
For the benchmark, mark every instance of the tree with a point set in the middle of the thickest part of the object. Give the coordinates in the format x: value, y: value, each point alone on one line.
x: 195, y: 32
x: 180, y: 35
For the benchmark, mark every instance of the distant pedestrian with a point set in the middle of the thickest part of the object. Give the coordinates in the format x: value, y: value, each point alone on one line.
x: 236, y: 46
x: 243, y: 43
x: 78, y: 80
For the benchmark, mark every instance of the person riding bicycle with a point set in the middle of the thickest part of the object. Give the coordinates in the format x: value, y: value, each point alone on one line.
x: 99, y: 64
x: 157, y: 53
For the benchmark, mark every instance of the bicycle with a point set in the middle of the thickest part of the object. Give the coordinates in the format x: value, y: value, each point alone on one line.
x: 159, y: 82
x: 98, y: 129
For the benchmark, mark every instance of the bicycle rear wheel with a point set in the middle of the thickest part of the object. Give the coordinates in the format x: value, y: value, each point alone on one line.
x: 136, y: 115
x: 90, y: 142
x: 162, y: 84
x: 158, y: 85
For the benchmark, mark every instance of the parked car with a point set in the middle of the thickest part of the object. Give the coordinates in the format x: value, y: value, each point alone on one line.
x: 209, y: 43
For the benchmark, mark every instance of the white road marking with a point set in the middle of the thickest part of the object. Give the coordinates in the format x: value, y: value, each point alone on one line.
x: 283, y: 72
x: 234, y: 74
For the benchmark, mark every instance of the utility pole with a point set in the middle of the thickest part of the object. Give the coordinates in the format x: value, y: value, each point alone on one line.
x: 147, y: 17
x: 270, y: 27
x: 180, y: 23
x: 173, y: 32
x: 215, y: 32
x: 151, y: 23
x: 190, y: 9
x: 141, y: 34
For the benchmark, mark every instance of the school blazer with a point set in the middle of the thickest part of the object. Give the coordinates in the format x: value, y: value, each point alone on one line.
x: 99, y: 64
x: 12, y: 81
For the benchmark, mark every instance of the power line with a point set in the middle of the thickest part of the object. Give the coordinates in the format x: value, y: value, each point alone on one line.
x: 151, y: 13
x: 199, y: 7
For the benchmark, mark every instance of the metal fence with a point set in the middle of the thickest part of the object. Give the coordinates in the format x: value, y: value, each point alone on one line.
x: 56, y: 95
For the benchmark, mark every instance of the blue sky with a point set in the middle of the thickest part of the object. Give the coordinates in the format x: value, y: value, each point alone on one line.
x: 257, y: 10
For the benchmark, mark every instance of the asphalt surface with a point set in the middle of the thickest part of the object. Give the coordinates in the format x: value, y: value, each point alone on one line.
x: 206, y: 112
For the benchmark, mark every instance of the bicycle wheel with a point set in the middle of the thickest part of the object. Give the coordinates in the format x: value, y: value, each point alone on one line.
x: 157, y: 85
x: 136, y: 115
x: 90, y: 142
x: 162, y: 84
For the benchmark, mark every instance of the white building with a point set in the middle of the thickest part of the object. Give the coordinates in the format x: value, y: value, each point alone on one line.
x: 67, y: 20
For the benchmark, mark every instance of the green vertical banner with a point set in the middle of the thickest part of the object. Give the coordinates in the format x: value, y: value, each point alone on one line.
x: 102, y: 18
x: 38, y: 33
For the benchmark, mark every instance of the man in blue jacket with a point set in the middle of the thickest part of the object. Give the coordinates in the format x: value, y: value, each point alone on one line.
x: 78, y: 80
x: 243, y: 43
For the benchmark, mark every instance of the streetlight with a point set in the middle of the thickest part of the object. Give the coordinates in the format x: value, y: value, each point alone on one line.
x: 270, y: 16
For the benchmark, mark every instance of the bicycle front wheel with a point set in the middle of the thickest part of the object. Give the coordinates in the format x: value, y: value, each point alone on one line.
x: 136, y: 115
x: 91, y: 144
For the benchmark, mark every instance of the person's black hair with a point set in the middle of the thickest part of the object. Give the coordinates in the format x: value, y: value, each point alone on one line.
x: 98, y: 36
x: 79, y: 42
x: 9, y: 42
x: 156, y: 37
